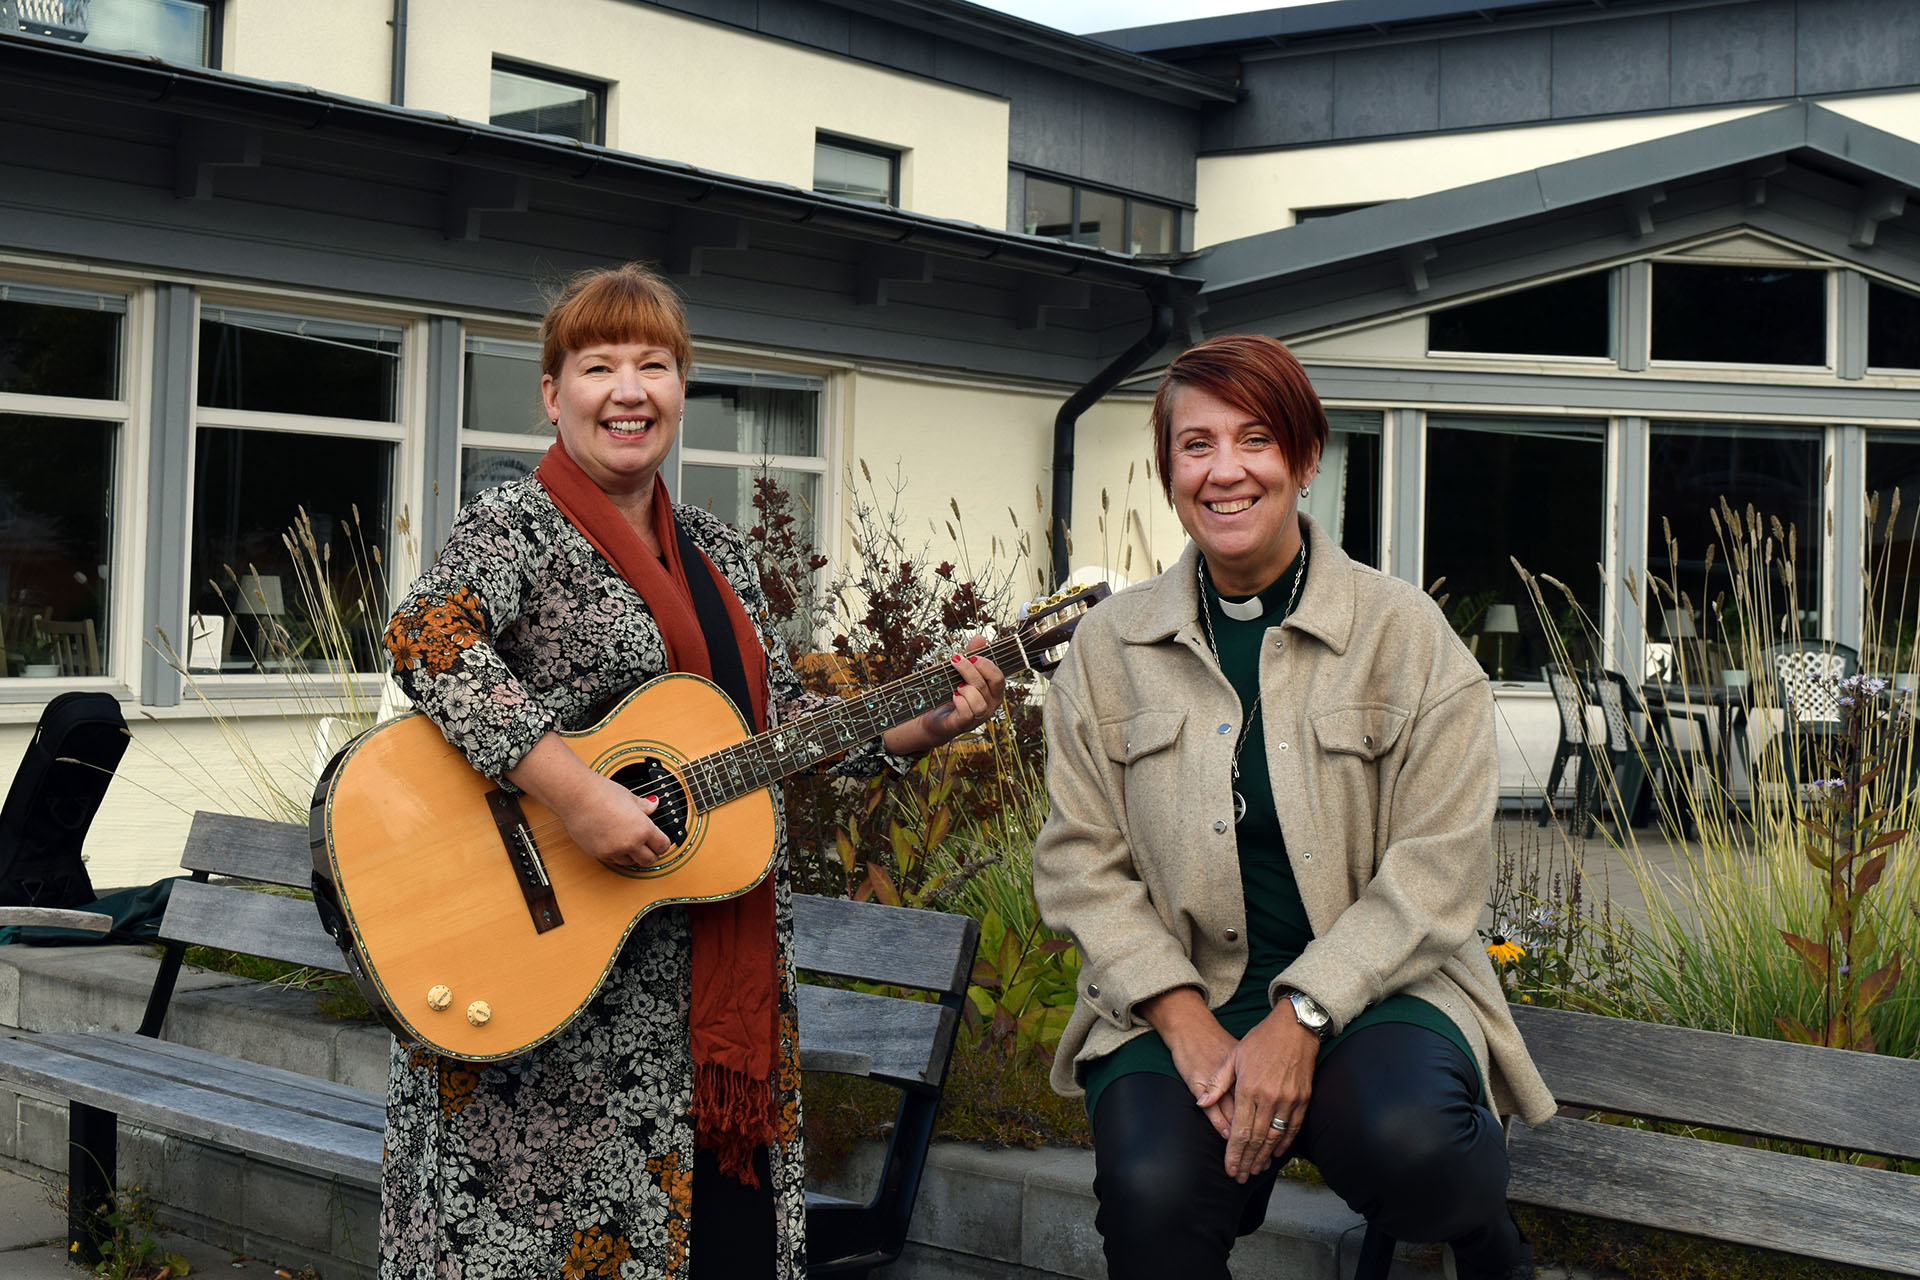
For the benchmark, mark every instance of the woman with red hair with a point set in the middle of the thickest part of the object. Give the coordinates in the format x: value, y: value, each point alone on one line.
x: 658, y: 1133
x: 1273, y: 782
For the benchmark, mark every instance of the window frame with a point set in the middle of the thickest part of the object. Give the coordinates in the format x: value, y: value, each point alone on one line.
x: 469, y: 437
x: 119, y: 631
x: 596, y: 89
x: 402, y: 433
x: 1181, y: 212
x: 1615, y: 293
x: 1830, y: 301
x: 860, y: 146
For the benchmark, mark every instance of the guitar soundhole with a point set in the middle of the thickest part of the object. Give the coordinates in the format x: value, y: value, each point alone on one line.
x: 649, y: 777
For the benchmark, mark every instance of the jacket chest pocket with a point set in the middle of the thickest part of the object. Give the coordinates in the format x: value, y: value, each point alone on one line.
x: 1367, y: 732
x: 1144, y: 746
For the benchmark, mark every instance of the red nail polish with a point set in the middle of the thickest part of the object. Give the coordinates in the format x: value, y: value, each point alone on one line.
x: 651, y: 799
x: 973, y: 659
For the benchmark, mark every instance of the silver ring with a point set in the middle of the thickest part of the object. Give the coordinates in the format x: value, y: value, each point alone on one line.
x: 1279, y: 1125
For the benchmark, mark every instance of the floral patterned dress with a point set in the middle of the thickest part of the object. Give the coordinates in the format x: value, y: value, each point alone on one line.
x: 574, y: 1159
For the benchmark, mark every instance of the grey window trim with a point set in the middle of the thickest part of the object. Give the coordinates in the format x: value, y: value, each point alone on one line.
x: 1628, y: 457
x: 1850, y: 360
x: 440, y: 432
x: 169, y: 490
x: 1404, y: 494
x: 1846, y: 551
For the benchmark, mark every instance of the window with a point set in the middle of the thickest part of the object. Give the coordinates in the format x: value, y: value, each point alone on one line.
x: 1344, y: 498
x: 856, y: 170
x: 61, y: 414
x: 745, y: 425
x: 297, y: 414
x: 1108, y: 219
x: 172, y: 30
x: 1505, y: 489
x: 1739, y: 315
x: 1893, y: 327
x: 1570, y: 317
x: 1691, y: 466
x: 1893, y: 552
x: 503, y: 424
x: 549, y: 102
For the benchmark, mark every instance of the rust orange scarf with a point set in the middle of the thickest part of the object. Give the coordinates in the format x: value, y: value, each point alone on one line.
x: 735, y: 961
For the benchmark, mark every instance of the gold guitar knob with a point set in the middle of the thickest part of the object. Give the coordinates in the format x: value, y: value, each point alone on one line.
x: 478, y: 1012
x: 439, y: 997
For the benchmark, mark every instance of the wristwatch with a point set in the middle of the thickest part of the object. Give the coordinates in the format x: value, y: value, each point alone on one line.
x: 1310, y: 1013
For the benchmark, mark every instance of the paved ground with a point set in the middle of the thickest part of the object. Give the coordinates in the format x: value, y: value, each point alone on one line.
x: 33, y: 1237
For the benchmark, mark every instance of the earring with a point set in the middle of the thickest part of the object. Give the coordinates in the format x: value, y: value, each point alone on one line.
x: 1304, y: 492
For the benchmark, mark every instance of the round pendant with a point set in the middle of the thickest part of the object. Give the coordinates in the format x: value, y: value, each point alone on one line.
x: 1239, y: 808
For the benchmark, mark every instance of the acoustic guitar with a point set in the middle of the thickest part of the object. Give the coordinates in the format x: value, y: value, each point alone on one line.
x: 477, y: 929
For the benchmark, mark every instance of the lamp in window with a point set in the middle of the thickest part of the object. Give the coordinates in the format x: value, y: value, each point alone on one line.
x: 1501, y: 621
x: 261, y: 600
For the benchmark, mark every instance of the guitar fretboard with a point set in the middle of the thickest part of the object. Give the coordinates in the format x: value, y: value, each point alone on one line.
x: 764, y: 759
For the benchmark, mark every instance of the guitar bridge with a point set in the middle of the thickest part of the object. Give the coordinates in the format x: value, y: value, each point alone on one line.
x: 523, y: 853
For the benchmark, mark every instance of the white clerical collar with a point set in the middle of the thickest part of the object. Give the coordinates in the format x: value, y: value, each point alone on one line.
x: 1242, y: 610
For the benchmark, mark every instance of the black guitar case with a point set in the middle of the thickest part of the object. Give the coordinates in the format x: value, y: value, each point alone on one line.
x: 62, y: 779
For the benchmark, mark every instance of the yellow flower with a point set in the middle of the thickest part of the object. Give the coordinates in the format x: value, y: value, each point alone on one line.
x: 1504, y: 951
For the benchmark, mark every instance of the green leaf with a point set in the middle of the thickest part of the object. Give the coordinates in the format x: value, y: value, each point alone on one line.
x: 1875, y: 984
x: 1812, y: 952
x: 882, y: 884
x: 1795, y: 1030
x: 844, y: 847
x: 1869, y: 874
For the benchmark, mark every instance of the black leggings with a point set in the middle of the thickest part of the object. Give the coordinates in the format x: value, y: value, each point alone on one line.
x: 1393, y: 1124
x: 732, y: 1231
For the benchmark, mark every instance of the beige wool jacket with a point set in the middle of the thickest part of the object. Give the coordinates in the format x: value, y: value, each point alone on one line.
x: 1378, y: 727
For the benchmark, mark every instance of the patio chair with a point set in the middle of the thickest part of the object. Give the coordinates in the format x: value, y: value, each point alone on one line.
x: 1578, y: 746
x: 1631, y: 752
x: 75, y: 647
x: 1808, y: 675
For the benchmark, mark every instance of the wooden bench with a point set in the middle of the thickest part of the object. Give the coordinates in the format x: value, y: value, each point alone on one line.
x: 1805, y: 1094
x: 335, y: 1131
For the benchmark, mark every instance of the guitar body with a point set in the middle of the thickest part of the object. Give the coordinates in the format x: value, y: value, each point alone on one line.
x: 438, y: 890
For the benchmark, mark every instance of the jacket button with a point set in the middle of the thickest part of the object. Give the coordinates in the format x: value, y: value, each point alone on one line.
x: 1283, y: 746
x: 1366, y: 739
x: 1219, y: 827
x: 1225, y: 728
x: 1093, y: 989
x: 1233, y: 935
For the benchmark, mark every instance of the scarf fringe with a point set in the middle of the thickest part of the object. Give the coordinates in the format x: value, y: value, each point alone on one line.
x: 732, y: 1117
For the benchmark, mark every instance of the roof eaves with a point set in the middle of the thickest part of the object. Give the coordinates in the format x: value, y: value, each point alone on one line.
x: 224, y: 95
x: 1402, y: 224
x: 1045, y: 46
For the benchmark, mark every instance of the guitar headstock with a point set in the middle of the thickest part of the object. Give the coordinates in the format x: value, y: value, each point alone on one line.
x: 1046, y: 625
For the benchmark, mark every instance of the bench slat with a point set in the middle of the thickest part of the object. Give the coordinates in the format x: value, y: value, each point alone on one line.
x: 55, y: 918
x: 249, y: 922
x: 221, y: 1074
x: 1843, y: 1213
x: 928, y: 950
x: 308, y: 1142
x: 226, y: 844
x: 905, y: 1040
x: 1824, y: 1097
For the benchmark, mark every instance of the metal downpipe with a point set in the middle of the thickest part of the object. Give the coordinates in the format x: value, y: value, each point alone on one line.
x: 397, y: 86
x: 1065, y: 421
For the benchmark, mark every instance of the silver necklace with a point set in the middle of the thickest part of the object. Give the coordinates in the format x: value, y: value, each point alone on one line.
x: 1246, y: 723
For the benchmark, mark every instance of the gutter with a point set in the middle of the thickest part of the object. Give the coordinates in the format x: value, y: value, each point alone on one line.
x: 1159, y: 327
x: 397, y: 92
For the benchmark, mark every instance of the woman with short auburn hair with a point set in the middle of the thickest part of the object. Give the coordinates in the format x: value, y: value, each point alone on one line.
x: 1273, y: 780
x: 657, y: 1134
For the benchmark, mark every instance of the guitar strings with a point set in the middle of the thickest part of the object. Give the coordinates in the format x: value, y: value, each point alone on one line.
x: 707, y: 773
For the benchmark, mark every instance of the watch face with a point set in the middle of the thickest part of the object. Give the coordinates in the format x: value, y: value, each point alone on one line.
x: 1308, y: 1010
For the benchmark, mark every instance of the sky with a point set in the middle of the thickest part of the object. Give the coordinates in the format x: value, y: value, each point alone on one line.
x: 1082, y: 16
